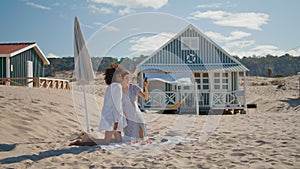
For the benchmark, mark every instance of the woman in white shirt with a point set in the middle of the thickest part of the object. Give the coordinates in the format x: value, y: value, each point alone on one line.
x: 112, y: 120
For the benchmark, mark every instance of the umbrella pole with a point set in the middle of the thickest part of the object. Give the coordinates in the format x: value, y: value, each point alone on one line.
x: 86, y: 112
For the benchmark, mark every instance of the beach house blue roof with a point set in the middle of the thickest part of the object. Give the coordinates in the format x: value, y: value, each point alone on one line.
x: 191, y: 50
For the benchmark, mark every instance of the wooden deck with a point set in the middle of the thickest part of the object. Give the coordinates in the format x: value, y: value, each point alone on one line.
x: 40, y: 82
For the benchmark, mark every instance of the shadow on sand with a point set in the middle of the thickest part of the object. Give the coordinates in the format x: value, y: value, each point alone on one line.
x: 7, y: 147
x: 45, y: 154
x: 292, y: 102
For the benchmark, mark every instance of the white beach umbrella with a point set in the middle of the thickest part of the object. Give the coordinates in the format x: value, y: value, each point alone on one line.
x: 84, y: 73
x: 83, y: 67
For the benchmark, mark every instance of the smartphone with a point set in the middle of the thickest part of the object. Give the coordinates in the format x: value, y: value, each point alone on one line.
x: 146, y: 79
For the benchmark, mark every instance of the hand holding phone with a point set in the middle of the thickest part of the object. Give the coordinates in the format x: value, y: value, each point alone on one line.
x: 146, y: 82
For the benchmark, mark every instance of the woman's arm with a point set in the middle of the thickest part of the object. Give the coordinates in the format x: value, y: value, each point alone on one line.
x: 145, y: 94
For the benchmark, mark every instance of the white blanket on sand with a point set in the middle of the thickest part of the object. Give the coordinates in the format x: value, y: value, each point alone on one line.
x: 152, y: 142
x: 136, y: 149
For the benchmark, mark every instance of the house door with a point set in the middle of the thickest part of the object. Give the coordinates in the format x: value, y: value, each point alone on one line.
x: 203, y: 88
x: 189, y: 95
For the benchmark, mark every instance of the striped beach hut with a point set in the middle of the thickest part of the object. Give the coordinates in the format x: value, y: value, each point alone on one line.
x: 192, y: 74
x: 21, y: 60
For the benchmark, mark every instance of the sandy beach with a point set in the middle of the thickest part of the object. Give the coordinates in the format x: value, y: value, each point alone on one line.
x: 37, y: 126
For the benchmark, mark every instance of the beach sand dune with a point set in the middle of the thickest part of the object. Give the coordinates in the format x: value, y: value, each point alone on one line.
x: 38, y: 124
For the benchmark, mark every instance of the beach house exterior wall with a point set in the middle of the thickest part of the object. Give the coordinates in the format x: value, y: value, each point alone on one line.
x: 15, y: 59
x: 215, y: 75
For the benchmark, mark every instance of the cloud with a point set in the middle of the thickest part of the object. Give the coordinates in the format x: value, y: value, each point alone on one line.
x: 249, y: 20
x: 98, y: 23
x: 235, y: 35
x: 37, y: 6
x: 238, y: 45
x: 111, y: 28
x: 107, y: 27
x: 102, y: 10
x: 51, y: 55
x: 248, y: 49
x: 125, y: 11
x: 87, y: 26
x: 294, y: 52
x: 264, y: 50
x: 216, y: 5
x: 261, y: 50
x: 147, y: 45
x: 155, y: 4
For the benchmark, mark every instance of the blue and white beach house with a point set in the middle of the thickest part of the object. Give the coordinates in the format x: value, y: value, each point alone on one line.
x: 192, y: 74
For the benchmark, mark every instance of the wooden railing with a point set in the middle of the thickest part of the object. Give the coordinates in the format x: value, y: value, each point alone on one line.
x: 39, y: 82
x: 220, y: 100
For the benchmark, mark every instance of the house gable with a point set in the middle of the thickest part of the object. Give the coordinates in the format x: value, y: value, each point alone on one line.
x: 191, y: 49
x: 14, y: 58
x: 19, y: 64
x: 13, y: 49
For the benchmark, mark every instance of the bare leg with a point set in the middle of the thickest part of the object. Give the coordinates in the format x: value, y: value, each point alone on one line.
x: 107, y: 138
x: 118, y: 136
x: 141, y: 132
x: 88, y: 141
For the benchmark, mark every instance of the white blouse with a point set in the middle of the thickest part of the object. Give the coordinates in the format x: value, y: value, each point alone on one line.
x: 112, y: 110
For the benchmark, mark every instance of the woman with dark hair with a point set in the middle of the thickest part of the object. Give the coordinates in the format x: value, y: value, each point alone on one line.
x: 119, y: 108
x: 112, y: 120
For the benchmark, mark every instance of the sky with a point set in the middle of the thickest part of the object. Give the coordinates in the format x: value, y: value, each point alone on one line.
x: 129, y: 28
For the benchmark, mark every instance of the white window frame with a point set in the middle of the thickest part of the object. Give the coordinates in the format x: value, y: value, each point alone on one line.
x: 201, y: 78
x: 220, y: 81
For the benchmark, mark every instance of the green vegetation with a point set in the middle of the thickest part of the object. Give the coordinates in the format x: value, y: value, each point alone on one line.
x: 99, y: 64
x: 259, y: 66
x: 280, y: 66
